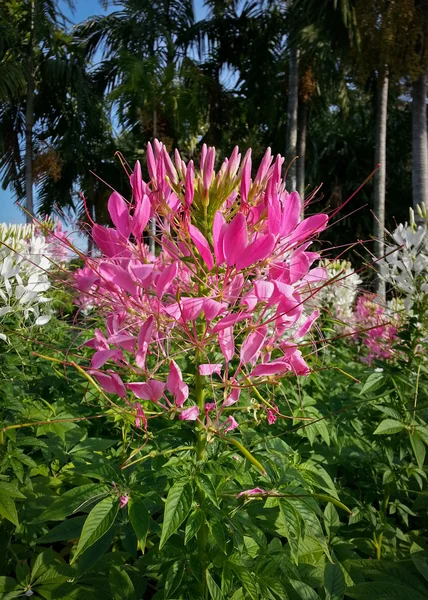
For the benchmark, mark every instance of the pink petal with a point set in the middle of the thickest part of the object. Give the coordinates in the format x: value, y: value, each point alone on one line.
x: 118, y: 276
x: 254, y: 492
x: 189, y: 414
x: 144, y: 338
x: 298, y: 364
x: 176, y: 385
x: 264, y: 167
x: 274, y: 209
x: 258, y: 250
x: 291, y: 211
x: 136, y: 182
x: 202, y: 245
x: 149, y: 390
x: 107, y: 241
x: 264, y: 290
x: 231, y: 424
x: 190, y: 184
x: 309, y: 227
x: 246, y: 176
x: 141, y: 217
x: 110, y: 383
x: 191, y: 308
x: 227, y: 343
x: 303, y: 330
x: 233, y: 397
x: 212, y: 308
x: 253, y: 344
x: 208, y: 369
x: 166, y: 278
x: 299, y: 266
x: 235, y: 239
x: 230, y: 320
x: 102, y: 356
x: 119, y: 213
x: 272, y: 368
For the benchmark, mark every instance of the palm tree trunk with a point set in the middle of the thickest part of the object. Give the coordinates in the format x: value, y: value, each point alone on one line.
x: 419, y: 142
x: 293, y: 102
x: 301, y: 149
x: 29, y: 124
x: 380, y: 176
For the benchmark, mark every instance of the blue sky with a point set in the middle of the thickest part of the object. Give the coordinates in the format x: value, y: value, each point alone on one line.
x: 9, y: 212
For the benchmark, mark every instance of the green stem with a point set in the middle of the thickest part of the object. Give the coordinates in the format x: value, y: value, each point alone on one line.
x: 243, y: 450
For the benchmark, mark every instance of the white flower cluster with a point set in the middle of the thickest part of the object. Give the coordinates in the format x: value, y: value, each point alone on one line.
x: 26, y: 256
x: 405, y: 265
x: 340, y: 289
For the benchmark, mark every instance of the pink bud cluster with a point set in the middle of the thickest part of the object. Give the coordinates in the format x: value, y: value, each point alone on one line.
x: 226, y: 292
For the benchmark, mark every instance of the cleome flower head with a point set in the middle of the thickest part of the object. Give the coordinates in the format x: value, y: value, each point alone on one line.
x: 219, y: 312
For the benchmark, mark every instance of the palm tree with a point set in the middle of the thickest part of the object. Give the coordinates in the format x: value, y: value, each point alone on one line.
x: 419, y: 112
x: 32, y: 46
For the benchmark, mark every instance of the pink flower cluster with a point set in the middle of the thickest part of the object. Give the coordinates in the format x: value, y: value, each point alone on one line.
x: 225, y: 295
x: 378, y: 328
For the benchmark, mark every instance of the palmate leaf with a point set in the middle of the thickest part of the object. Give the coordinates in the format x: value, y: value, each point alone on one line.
x: 71, y: 501
x: 291, y: 525
x: 419, y: 448
x: 178, y: 505
x: 193, y: 524
x: 98, y: 522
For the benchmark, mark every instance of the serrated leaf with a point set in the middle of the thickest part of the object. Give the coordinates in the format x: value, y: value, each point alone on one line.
x: 10, y: 490
x: 178, y: 505
x: 67, y: 530
x: 193, y: 524
x: 219, y: 534
x: 41, y: 564
x: 8, y: 584
x: 304, y: 590
x: 388, y: 427
x: 121, y: 585
x: 71, y: 501
x: 291, y: 524
x: 334, y: 581
x: 173, y: 578
x: 214, y: 590
x: 98, y: 522
x: 419, y: 448
x: 8, y: 509
x: 139, y: 517
x: 372, y: 382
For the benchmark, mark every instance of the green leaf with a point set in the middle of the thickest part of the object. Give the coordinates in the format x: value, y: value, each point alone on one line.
x: 373, y: 381
x: 98, y: 522
x: 420, y: 560
x: 72, y: 501
x: 238, y: 595
x: 193, y: 524
x: 139, y: 517
x: 383, y: 590
x: 7, y: 584
x: 173, y: 578
x: 41, y: 564
x: 8, y: 509
x: 67, y: 530
x: 389, y: 426
x: 93, y: 445
x: 291, y: 525
x: 214, y: 590
x: 10, y: 490
x: 304, y: 590
x: 178, y: 505
x: 219, y: 534
x: 419, y: 449
x: 334, y: 581
x: 121, y: 585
